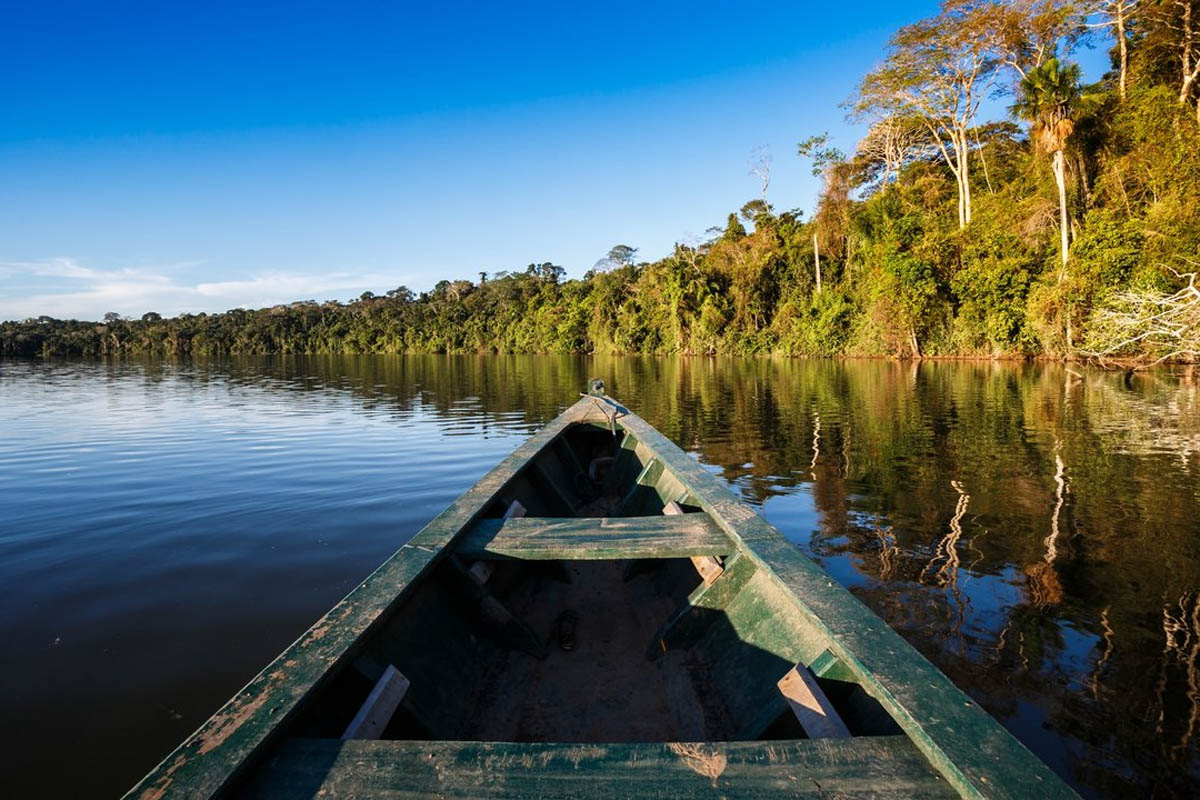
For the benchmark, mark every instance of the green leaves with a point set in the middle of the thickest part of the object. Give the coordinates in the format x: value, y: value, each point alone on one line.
x: 1049, y: 98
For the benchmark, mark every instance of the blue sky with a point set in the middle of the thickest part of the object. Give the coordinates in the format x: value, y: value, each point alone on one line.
x: 195, y: 157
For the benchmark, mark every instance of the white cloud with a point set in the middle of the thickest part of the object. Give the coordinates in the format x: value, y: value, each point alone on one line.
x: 64, y: 288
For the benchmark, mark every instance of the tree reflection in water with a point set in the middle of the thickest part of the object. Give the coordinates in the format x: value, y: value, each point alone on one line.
x: 1054, y: 589
x: 1032, y: 530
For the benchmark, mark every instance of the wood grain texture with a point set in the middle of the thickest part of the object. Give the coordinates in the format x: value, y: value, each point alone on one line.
x: 605, y: 538
x: 693, y: 618
x: 812, y: 708
x: 380, y: 705
x: 208, y: 759
x: 976, y: 755
x: 875, y: 767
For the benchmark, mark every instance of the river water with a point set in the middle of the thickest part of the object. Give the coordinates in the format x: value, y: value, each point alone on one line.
x: 167, y: 528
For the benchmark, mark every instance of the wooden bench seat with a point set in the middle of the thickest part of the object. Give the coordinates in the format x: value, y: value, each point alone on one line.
x: 594, y: 538
x: 869, y: 767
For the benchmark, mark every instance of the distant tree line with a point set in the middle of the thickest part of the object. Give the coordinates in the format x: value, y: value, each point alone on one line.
x: 1070, y: 227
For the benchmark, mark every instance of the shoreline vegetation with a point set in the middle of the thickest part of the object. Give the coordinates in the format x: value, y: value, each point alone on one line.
x: 1067, y: 229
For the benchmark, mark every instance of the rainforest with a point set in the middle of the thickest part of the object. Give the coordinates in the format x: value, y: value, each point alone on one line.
x: 995, y: 206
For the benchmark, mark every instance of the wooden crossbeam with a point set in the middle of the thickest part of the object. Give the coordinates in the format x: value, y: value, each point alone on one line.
x: 643, y: 483
x: 538, y: 474
x: 812, y: 708
x: 498, y: 622
x: 693, y: 618
x: 377, y: 710
x: 590, y: 538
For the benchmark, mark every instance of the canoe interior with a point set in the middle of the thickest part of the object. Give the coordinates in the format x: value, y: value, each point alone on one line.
x: 660, y: 655
x: 691, y: 609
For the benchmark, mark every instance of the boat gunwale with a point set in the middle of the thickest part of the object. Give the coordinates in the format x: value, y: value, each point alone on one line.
x: 962, y: 742
x: 216, y: 753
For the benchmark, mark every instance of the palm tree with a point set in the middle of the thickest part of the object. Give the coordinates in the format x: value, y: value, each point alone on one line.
x: 1050, y: 99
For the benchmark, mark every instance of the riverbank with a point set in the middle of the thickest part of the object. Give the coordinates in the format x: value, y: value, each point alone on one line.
x: 1031, y: 532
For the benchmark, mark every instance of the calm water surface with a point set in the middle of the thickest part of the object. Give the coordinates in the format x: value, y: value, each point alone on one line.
x: 166, y: 529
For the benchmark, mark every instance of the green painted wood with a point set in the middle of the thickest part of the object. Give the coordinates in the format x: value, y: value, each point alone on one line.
x: 623, y: 468
x: 689, y: 623
x: 567, y: 454
x: 975, y: 755
x: 495, y: 619
x: 634, y: 501
x: 371, y: 669
x: 593, y: 538
x: 209, y: 759
x: 823, y: 663
x: 828, y: 665
x: 754, y: 642
x: 973, y: 752
x: 548, y: 482
x: 440, y: 639
x: 775, y: 707
x: 877, y: 767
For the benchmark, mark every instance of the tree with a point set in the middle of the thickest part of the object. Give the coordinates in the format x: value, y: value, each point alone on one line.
x: 1031, y: 32
x: 756, y: 211
x: 547, y: 272
x: 1182, y: 19
x: 552, y: 273
x: 111, y: 317
x: 151, y: 316
x: 1049, y: 99
x: 760, y: 167
x: 939, y: 70
x: 1117, y: 15
x: 734, y: 230
x: 459, y: 289
x: 891, y: 142
x: 622, y: 254
x: 829, y: 164
x: 1149, y: 322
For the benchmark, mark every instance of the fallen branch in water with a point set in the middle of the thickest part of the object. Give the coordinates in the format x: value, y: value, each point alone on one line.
x: 1148, y: 324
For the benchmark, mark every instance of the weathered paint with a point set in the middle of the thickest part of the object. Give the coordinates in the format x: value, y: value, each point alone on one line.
x: 877, y: 767
x: 975, y: 755
x: 594, y: 538
x: 210, y: 758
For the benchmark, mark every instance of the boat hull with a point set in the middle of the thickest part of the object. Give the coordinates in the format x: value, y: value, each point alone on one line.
x: 711, y: 656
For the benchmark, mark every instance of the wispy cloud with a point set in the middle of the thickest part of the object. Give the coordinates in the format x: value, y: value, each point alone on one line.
x: 64, y: 288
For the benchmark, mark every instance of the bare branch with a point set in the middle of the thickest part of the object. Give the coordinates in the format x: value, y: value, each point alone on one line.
x: 1148, y: 324
x: 760, y: 167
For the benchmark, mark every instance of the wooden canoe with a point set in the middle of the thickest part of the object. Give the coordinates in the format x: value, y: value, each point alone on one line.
x: 710, y: 658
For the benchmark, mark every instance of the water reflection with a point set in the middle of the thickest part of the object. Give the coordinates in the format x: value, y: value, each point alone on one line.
x: 1031, y: 529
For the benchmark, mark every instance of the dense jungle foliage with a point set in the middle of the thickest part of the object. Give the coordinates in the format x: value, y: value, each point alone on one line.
x: 1069, y: 228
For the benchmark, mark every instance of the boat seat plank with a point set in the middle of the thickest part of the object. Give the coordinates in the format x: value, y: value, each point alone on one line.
x: 570, y: 538
x: 708, y: 567
x: 866, y: 767
x: 482, y: 570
